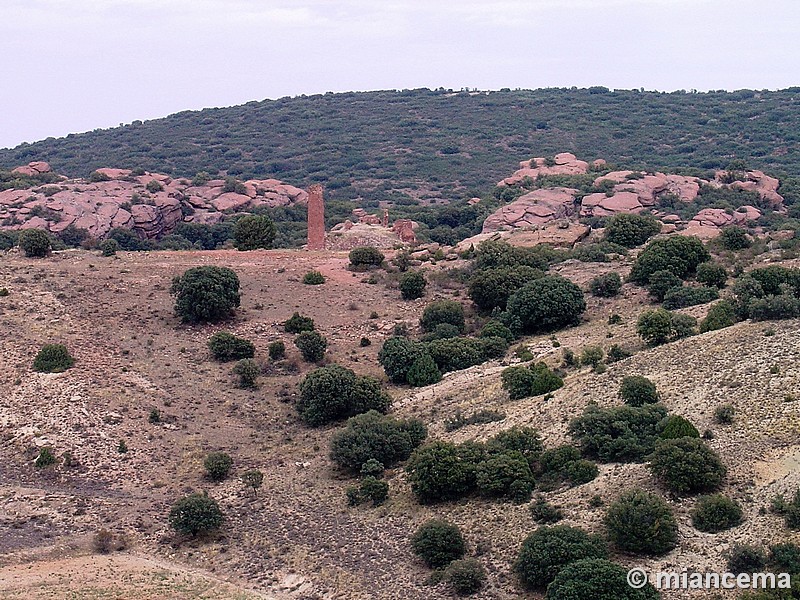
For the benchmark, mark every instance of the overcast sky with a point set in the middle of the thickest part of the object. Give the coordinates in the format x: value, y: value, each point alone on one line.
x: 76, y: 65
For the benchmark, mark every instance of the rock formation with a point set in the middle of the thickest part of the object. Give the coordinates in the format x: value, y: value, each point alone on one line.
x: 120, y: 198
x: 563, y: 164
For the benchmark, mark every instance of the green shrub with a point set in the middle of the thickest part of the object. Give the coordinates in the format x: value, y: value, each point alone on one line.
x: 371, y: 489
x: 412, y: 285
x: 679, y: 254
x: 719, y: 316
x: 638, y: 391
x: 724, y: 414
x: 785, y: 558
x: 397, y: 355
x: 592, y: 356
x: 366, y: 256
x: 746, y: 559
x: 438, y: 543
x: 675, y: 426
x: 505, y: 475
x: 630, y: 230
x: 297, y: 323
x: 312, y: 345
x: 564, y: 463
x: 441, y: 471
x: 687, y: 465
x: 35, y: 243
x: 620, y: 433
x: 373, y: 436
x: 442, y: 311
x: 109, y: 247
x: 662, y: 282
x: 277, y: 350
x: 495, y: 328
x: 556, y: 460
x: 153, y: 186
x: 442, y: 331
x: 661, y: 326
x: 45, y: 458
x: 226, y: 347
x: 716, y: 513
x: 248, y: 371
x: 548, y: 550
x: 683, y: 297
x: 546, y: 304
x: 734, y: 238
x: 334, y: 393
x: 491, y: 288
x: 253, y: 232
x: 423, y: 371
x: 313, y: 278
x: 498, y: 253
x: 641, y: 523
x: 253, y: 479
x: 129, y: 241
x: 195, y: 513
x: 712, y: 274
x: 522, y: 440
x: 780, y: 306
x: 206, y: 294
x: 53, y: 358
x: 616, y: 353
x: 533, y: 380
x: 545, y: 513
x: 581, y: 471
x: 596, y: 579
x: 465, y: 576
x: 606, y: 286
x: 454, y: 354
x: 217, y: 465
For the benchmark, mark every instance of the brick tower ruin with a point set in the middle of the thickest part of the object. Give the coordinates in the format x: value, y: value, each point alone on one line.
x: 316, y: 218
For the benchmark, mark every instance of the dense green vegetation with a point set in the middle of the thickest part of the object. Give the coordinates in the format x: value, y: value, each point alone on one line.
x: 455, y: 141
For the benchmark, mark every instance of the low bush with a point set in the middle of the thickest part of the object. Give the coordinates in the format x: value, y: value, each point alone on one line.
x: 746, y: 559
x: 109, y: 247
x: 630, y: 230
x: 423, y: 371
x: 545, y: 513
x: 371, y: 489
x: 465, y: 576
x: 226, y: 347
x: 443, y: 311
x: 438, y: 543
x: 206, y: 294
x: 606, y: 286
x: 679, y: 254
x: 312, y: 345
x: 53, y: 358
x: 548, y: 550
x: 313, y: 278
x: 217, y: 465
x: 734, y: 238
x: 533, y: 380
x: 334, y: 393
x: 373, y: 436
x: 441, y: 471
x: 592, y: 356
x: 662, y: 282
x: 687, y: 465
x: 661, y: 326
x: 618, y: 434
x: 716, y: 513
x: 366, y: 256
x: 675, y: 426
x: 35, y: 243
x: 596, y: 579
x: 683, y: 297
x: 638, y: 391
x: 248, y: 371
x: 712, y: 274
x: 297, y: 323
x: 724, y: 414
x: 412, y: 285
x: 277, y: 350
x: 45, y: 458
x: 195, y: 514
x: 719, y: 316
x: 495, y: 328
x: 641, y: 523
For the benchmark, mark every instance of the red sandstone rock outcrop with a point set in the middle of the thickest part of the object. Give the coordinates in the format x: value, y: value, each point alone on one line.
x: 125, y: 201
x: 534, y: 208
x: 565, y: 164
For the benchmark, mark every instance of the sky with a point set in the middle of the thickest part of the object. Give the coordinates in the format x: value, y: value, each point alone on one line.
x: 76, y: 65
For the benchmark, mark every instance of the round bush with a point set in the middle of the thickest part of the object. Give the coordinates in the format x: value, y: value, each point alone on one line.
x: 548, y: 303
x: 226, y: 347
x: 494, y: 328
x: 313, y: 278
x: 719, y: 316
x: 195, y: 513
x: 412, y: 285
x: 35, y: 243
x: 746, y: 559
x: 679, y: 254
x: 523, y: 440
x: 297, y: 323
x: 253, y: 232
x: 423, y: 371
x: 491, y: 288
x: 465, y: 576
x: 581, y: 471
x: 438, y: 543
x: 712, y: 274
x: 683, y: 297
x: 53, y: 358
x: 687, y: 465
x: 661, y: 326
x: 374, y: 490
x: 366, y: 256
x: 606, y: 286
x: 549, y: 549
x: 248, y: 371
x: 716, y: 513
x: 206, y: 294
x: 397, y: 355
x: 630, y: 230
x: 440, y: 471
x: 638, y: 391
x: 217, y: 465
x: 596, y: 579
x: 534, y: 380
x: 109, y: 247
x: 333, y: 393
x: 312, y: 345
x: 675, y: 426
x: 442, y: 311
x: 662, y: 282
x: 496, y: 475
x: 734, y: 238
x: 641, y: 523
x: 277, y: 350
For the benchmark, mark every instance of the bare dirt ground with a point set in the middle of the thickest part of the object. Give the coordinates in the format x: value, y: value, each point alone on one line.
x: 298, y: 539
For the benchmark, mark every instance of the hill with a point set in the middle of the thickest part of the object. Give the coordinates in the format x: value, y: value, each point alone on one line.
x: 438, y: 143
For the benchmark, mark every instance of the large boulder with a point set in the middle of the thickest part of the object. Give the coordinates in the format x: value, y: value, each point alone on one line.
x: 534, y: 208
x: 565, y: 164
